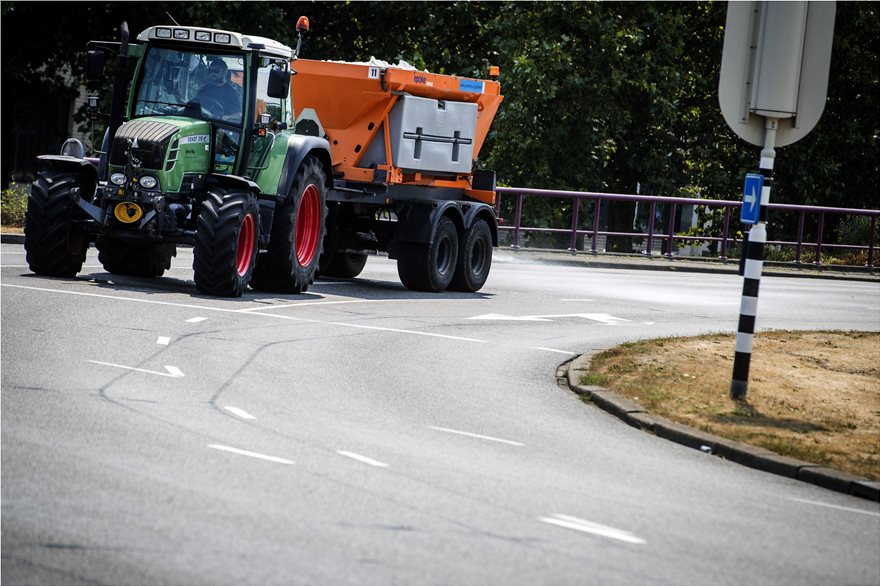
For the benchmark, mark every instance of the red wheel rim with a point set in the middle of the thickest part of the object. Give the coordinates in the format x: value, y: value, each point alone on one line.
x: 308, y: 224
x: 245, y: 249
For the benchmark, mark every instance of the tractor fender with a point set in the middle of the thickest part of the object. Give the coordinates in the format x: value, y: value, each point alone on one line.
x: 299, y: 147
x: 485, y: 212
x: 61, y: 163
x: 418, y: 220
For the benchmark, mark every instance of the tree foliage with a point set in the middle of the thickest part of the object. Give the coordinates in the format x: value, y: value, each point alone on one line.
x: 599, y: 96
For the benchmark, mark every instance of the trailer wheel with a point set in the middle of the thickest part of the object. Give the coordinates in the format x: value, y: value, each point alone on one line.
x: 474, y: 258
x: 291, y: 260
x: 430, y: 267
x: 225, y: 249
x: 344, y: 265
x: 55, y: 245
x: 122, y: 257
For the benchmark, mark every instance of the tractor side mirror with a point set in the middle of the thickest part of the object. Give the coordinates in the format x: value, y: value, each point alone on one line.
x: 95, y: 66
x: 279, y: 84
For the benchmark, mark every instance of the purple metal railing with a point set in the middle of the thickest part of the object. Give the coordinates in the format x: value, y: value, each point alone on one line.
x: 670, y: 237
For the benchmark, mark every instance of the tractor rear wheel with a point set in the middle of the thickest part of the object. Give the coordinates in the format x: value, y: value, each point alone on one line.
x: 122, y: 257
x: 55, y: 245
x: 344, y: 265
x: 291, y: 260
x: 227, y: 236
x: 430, y: 267
x: 474, y: 258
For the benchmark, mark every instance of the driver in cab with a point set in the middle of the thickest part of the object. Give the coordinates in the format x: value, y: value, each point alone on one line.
x: 219, y: 91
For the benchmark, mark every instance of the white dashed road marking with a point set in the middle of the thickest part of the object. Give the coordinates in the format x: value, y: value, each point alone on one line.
x: 363, y: 459
x: 250, y: 454
x: 593, y: 528
x: 239, y: 412
x: 163, y: 340
x: 173, y: 371
x: 475, y: 435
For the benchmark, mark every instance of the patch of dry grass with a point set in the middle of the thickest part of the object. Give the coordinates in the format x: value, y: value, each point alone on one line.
x: 814, y: 396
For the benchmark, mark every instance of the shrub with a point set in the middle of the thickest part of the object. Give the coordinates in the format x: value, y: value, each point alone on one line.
x: 13, y: 205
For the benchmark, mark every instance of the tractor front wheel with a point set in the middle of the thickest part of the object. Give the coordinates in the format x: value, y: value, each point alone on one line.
x: 226, y: 245
x: 55, y: 245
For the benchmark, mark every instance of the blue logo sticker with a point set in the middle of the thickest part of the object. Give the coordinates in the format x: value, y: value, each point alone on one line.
x: 469, y: 85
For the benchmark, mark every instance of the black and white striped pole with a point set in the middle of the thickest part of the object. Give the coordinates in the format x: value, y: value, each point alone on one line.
x: 756, y: 198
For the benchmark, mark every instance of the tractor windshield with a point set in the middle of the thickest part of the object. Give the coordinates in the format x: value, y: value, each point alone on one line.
x: 190, y: 83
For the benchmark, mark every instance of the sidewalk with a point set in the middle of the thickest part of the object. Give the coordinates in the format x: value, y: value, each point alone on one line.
x: 689, y: 264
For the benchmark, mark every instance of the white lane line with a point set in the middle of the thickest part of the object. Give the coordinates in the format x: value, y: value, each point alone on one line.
x: 395, y: 330
x: 363, y: 459
x: 238, y: 311
x: 593, y: 528
x: 249, y: 454
x: 475, y: 435
x: 555, y: 350
x: 195, y: 320
x: 838, y: 507
x: 303, y: 304
x: 173, y: 371
x: 163, y: 340
x: 240, y: 412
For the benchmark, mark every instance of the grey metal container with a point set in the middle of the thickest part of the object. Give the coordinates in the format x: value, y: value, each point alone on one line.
x: 432, y: 136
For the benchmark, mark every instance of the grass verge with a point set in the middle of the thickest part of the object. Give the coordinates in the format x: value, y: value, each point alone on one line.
x: 814, y: 396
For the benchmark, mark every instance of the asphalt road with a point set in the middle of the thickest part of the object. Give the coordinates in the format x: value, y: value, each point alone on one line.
x: 365, y: 434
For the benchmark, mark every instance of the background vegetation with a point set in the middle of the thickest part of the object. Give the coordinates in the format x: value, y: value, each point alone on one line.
x: 600, y: 96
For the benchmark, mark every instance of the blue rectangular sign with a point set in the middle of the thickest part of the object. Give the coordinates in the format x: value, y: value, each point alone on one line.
x: 751, y: 207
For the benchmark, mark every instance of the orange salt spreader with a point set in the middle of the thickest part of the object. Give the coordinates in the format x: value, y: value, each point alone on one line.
x: 396, y: 125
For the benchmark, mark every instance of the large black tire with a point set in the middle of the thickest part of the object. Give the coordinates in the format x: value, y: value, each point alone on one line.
x: 430, y: 267
x: 344, y: 265
x: 227, y: 237
x: 474, y: 258
x: 55, y: 245
x: 122, y: 257
x: 291, y: 260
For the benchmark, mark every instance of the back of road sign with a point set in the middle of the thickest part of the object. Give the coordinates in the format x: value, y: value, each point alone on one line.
x: 775, y: 65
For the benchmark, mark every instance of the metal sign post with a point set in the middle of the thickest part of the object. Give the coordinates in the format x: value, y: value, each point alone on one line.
x: 772, y: 91
x: 754, y: 264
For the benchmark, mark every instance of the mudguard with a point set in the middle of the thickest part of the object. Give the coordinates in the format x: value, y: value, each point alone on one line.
x: 298, y: 148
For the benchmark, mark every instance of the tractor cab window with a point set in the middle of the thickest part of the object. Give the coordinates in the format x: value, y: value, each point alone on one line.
x: 191, y: 83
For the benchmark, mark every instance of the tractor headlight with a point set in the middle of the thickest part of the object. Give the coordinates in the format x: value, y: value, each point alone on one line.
x: 149, y: 182
x: 117, y: 179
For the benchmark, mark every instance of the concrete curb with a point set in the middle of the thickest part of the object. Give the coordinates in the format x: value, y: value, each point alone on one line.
x: 741, y: 453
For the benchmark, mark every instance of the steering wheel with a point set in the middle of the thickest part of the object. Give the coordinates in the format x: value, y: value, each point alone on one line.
x: 212, y: 107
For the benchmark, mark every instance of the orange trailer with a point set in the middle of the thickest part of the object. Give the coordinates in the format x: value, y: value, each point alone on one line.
x: 355, y: 105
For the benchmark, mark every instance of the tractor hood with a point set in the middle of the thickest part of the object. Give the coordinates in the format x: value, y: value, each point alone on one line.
x: 159, y: 143
x: 168, y: 147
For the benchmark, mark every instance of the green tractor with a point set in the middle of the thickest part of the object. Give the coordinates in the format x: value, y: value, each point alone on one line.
x: 200, y: 150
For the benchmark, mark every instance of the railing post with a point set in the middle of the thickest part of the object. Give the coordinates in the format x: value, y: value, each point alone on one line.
x: 671, y: 235
x: 596, y: 210
x: 574, y: 224
x: 653, y: 213
x: 800, y: 239
x: 725, y: 233
x: 516, y: 221
x: 871, y: 242
x: 819, y: 239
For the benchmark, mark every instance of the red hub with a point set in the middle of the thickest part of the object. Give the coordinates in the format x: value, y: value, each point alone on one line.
x: 308, y: 225
x: 245, y: 250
